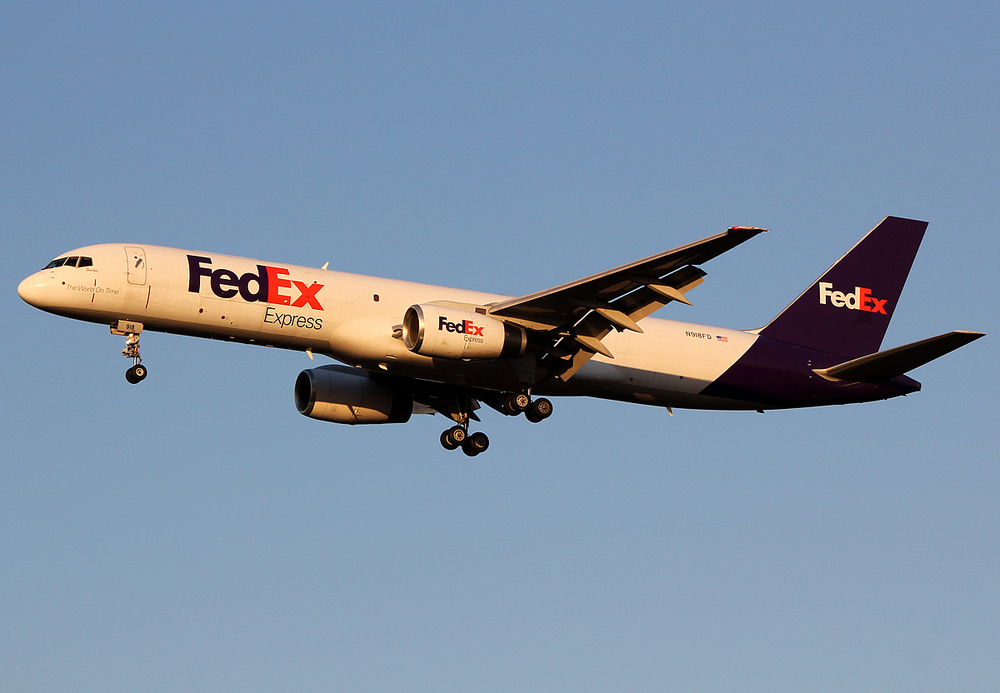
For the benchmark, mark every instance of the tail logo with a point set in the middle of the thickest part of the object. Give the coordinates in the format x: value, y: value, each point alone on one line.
x: 860, y: 299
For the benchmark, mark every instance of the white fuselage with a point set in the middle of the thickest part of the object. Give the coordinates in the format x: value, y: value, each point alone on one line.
x: 356, y: 319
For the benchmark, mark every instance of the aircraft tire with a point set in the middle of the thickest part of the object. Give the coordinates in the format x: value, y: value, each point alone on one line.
x: 542, y: 408
x: 520, y: 401
x: 508, y: 407
x: 479, y: 441
x: 140, y: 372
x: 130, y: 375
x: 446, y: 442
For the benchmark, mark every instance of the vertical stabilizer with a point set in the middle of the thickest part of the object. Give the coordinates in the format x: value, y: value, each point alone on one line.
x: 847, y: 310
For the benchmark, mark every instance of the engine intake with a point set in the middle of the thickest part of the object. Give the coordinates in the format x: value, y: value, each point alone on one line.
x: 347, y: 395
x: 453, y: 333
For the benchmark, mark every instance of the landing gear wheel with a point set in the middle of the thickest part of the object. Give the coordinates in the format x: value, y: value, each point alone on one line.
x: 539, y: 410
x: 513, y: 403
x: 136, y: 374
x: 475, y: 444
x: 507, y: 406
x: 478, y: 441
x: 446, y: 442
x: 453, y: 437
x: 542, y: 408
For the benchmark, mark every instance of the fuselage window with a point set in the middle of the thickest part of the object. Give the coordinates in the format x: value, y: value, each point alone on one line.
x: 55, y: 263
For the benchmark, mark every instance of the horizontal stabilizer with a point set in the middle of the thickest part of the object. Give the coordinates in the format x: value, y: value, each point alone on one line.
x: 885, y: 365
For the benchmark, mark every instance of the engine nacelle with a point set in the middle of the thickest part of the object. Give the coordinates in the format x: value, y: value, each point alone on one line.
x: 347, y: 395
x: 453, y: 333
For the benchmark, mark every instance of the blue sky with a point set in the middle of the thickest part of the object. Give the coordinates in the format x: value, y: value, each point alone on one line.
x: 196, y: 533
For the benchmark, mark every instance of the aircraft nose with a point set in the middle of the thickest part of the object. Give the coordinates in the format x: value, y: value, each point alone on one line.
x: 32, y: 290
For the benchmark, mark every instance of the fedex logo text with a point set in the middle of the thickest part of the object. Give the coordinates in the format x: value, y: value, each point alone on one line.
x: 861, y: 299
x: 466, y: 327
x: 266, y: 285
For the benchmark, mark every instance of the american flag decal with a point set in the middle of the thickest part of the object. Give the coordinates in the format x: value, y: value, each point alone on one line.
x: 721, y: 338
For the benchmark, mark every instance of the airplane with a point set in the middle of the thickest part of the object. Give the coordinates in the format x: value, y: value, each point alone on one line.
x: 406, y: 348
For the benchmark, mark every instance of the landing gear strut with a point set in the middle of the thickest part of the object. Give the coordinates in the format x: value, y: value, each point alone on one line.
x: 459, y: 405
x: 131, y: 331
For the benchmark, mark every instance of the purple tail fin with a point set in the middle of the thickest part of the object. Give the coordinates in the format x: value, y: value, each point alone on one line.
x: 847, y: 310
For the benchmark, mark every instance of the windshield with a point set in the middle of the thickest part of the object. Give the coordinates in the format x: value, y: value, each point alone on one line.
x: 70, y: 262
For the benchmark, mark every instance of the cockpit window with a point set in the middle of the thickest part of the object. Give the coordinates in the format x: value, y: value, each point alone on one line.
x: 70, y: 262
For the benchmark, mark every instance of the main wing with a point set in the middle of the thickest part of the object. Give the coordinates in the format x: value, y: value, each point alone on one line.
x: 573, y: 318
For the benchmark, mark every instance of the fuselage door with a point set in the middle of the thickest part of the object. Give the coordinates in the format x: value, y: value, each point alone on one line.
x: 136, y: 259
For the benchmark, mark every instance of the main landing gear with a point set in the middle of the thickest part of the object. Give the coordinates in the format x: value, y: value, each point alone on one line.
x: 472, y: 444
x: 511, y: 404
x: 131, y: 331
x: 534, y: 410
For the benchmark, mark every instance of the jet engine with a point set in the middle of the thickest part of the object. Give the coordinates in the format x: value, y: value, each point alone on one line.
x: 453, y: 333
x: 348, y: 395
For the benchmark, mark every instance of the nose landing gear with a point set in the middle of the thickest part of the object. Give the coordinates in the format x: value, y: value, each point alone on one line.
x: 131, y: 331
